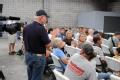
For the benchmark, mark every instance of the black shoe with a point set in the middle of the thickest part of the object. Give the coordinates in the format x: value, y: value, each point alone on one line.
x: 12, y: 53
x: 3, y: 79
x: 20, y: 52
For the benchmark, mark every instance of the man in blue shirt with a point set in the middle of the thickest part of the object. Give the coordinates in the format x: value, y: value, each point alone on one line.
x: 36, y: 42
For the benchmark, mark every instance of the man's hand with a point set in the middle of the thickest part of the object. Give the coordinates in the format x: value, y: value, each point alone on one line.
x: 48, y: 53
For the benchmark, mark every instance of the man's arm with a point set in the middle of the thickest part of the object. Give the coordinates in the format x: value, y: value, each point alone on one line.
x: 48, y: 49
x: 48, y: 46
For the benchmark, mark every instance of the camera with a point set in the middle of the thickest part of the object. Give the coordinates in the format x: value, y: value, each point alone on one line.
x: 10, y: 24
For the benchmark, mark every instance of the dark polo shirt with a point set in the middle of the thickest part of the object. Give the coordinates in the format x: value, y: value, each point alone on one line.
x: 35, y: 38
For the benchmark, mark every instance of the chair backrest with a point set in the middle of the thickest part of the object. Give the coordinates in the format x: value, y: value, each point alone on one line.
x: 58, y: 63
x: 59, y: 76
x: 98, y: 60
x: 114, y: 49
x: 105, y: 42
x: 113, y: 63
x: 71, y: 50
x: 113, y: 77
x: 105, y: 49
x: 55, y: 60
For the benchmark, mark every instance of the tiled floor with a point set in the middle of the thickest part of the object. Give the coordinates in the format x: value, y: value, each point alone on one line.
x: 13, y: 66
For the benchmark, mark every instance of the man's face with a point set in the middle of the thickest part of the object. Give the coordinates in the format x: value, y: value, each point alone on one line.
x: 43, y: 19
x: 69, y: 35
x: 62, y: 31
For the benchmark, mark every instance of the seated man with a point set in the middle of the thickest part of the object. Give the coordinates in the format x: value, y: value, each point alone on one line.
x: 57, y: 45
x: 79, y: 66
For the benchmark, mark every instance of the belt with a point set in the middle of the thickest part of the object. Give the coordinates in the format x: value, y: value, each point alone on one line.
x: 37, y: 54
x: 40, y: 54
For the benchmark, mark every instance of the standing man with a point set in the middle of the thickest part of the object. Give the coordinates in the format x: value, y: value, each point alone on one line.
x: 36, y: 43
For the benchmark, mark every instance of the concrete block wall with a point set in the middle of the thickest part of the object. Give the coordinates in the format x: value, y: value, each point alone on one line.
x: 62, y: 12
x: 65, y: 12
x: 116, y: 6
x: 25, y: 9
x: 21, y: 8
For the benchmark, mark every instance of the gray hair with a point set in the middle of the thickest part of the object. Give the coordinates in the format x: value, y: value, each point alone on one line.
x: 55, y: 42
x: 88, y: 50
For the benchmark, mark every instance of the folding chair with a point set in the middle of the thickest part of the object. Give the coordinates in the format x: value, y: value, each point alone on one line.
x: 58, y: 63
x: 71, y: 50
x: 114, y: 49
x: 106, y: 50
x: 113, y: 63
x: 113, y: 77
x: 98, y: 60
x: 59, y: 76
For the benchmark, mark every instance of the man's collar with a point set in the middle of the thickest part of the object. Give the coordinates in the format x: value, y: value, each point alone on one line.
x: 37, y: 23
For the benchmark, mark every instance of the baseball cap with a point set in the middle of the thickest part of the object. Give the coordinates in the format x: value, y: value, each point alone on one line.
x: 41, y: 12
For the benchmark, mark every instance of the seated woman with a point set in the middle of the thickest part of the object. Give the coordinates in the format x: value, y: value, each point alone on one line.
x: 97, y: 49
x: 68, y: 38
x: 57, y: 45
x: 117, y: 53
x: 82, y: 39
x: 97, y: 45
x: 117, y: 56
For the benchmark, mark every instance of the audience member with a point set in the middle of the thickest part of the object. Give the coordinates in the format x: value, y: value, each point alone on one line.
x: 68, y: 39
x: 81, y: 30
x: 117, y: 53
x: 62, y: 34
x: 57, y: 45
x: 50, y: 32
x: 117, y: 56
x: 81, y: 40
x: 77, y: 68
x: 55, y: 33
x: 90, y: 36
x: 114, y: 41
x: 97, y: 44
x: 104, y: 41
x: 98, y: 49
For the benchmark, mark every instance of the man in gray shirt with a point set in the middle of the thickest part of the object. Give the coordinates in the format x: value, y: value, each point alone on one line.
x: 79, y: 66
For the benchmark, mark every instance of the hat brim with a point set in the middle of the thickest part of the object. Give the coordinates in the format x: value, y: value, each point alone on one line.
x: 47, y: 16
